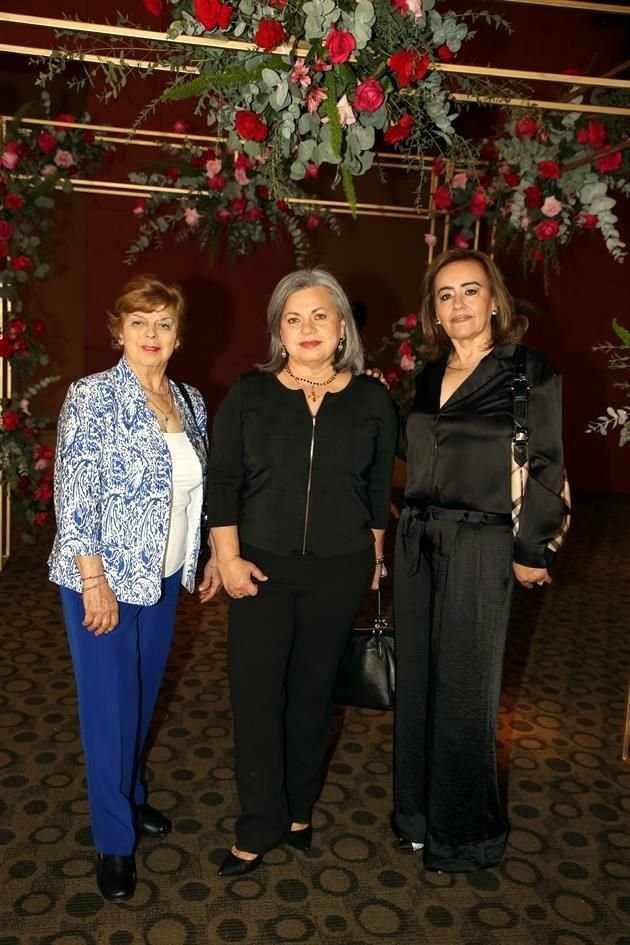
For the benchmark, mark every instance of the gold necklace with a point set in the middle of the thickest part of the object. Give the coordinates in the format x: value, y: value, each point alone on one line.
x: 162, y: 417
x: 313, y: 394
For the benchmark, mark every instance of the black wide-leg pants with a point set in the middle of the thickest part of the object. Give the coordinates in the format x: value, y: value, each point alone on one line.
x: 453, y: 585
x: 284, y: 649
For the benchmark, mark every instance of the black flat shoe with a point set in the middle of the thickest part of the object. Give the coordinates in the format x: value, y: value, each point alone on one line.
x: 235, y: 866
x: 116, y: 876
x: 151, y: 823
x: 299, y: 839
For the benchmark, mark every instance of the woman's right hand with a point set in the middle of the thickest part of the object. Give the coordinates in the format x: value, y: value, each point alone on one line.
x: 237, y: 575
x: 101, y: 609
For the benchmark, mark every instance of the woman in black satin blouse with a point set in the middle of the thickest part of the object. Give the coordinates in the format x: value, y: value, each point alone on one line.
x: 456, y: 558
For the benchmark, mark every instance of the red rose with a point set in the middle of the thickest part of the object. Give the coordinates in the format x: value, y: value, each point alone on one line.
x: 42, y: 452
x: 594, y: 134
x: 340, y: 44
x: 526, y: 127
x: 68, y: 119
x: 154, y: 6
x: 437, y: 166
x: 239, y: 205
x: 533, y: 196
x: 442, y: 198
x: 89, y: 137
x: 409, y: 65
x: 37, y: 327
x: 249, y: 126
x: 546, y: 229
x: 15, y: 327
x: 10, y: 420
x: 40, y: 518
x: 21, y: 262
x: 511, y: 179
x: 460, y: 242
x: 242, y: 162
x: 478, y: 203
x: 411, y: 321
x: 611, y: 162
x: 13, y: 202
x: 401, y: 6
x: 6, y: 230
x: 21, y: 346
x: 6, y: 348
x: 444, y: 53
x: 269, y: 34
x: 173, y: 173
x: 400, y: 131
x: 282, y: 205
x: 312, y: 171
x: 181, y: 127
x: 212, y: 13
x: 46, y: 142
x: 549, y: 170
x: 263, y: 192
x: 369, y: 95
x: 489, y: 151
x: 588, y: 221
x: 404, y: 348
x: 218, y: 182
x: 254, y: 214
x: 43, y: 493
x: 537, y: 254
x: 313, y: 221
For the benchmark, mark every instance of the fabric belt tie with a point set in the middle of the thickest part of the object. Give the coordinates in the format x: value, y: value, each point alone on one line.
x: 417, y: 516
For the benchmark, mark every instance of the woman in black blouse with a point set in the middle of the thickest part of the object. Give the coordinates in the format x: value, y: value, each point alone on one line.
x: 299, y: 492
x: 457, y: 556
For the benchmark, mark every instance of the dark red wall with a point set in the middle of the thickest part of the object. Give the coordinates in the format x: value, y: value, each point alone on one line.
x: 381, y: 261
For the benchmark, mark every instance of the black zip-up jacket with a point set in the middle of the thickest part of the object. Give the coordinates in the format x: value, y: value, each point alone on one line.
x: 296, y: 484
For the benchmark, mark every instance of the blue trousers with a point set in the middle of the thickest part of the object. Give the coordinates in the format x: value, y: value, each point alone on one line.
x: 118, y: 677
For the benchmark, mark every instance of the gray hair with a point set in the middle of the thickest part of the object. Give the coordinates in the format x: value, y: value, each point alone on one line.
x: 350, y: 357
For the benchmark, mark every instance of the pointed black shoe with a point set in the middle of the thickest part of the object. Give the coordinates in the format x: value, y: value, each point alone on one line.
x: 151, y: 823
x: 235, y: 866
x: 116, y: 876
x: 299, y: 839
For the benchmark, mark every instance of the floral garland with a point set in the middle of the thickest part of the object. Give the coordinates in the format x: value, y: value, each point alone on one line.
x: 33, y: 165
x: 228, y: 202
x: 545, y: 183
x: 321, y: 80
x: 616, y: 418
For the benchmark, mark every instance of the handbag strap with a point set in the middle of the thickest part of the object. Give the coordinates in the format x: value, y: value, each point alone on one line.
x: 380, y: 620
x: 520, y: 392
x: 182, y: 389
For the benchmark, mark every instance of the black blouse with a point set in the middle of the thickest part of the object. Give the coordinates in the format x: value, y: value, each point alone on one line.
x: 297, y: 484
x: 459, y: 455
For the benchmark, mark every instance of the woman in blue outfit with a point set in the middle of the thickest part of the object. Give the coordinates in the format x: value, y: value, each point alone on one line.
x: 129, y: 476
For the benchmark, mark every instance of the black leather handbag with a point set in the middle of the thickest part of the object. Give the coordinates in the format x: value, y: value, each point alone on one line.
x: 367, y: 673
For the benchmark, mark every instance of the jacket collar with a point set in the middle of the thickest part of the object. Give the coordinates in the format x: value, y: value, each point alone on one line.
x: 494, y: 362
x: 126, y: 380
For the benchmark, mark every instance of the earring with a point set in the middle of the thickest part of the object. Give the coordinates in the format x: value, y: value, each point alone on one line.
x: 437, y: 321
x: 342, y: 342
x: 494, y: 313
x: 283, y: 352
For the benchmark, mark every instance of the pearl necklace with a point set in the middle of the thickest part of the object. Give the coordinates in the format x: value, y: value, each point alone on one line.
x: 312, y: 384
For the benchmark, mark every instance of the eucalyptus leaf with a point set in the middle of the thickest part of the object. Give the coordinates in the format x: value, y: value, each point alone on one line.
x: 365, y: 136
x: 271, y: 78
x: 326, y: 155
x: 280, y: 97
x: 364, y: 13
x: 297, y: 170
x: 44, y: 203
x: 306, y: 150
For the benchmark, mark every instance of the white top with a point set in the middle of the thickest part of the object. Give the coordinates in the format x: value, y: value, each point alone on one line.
x: 186, y: 493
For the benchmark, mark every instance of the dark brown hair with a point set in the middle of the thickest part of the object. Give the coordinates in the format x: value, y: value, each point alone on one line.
x: 508, y: 327
x: 146, y: 293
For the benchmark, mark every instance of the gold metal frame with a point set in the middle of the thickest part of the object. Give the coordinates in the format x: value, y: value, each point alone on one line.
x: 5, y: 495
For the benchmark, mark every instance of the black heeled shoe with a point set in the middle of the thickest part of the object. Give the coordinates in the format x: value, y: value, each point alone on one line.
x: 152, y: 823
x: 299, y: 839
x: 236, y: 866
x: 409, y: 846
x: 116, y: 876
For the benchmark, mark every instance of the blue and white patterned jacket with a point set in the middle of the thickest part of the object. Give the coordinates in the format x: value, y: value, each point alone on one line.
x: 113, y: 477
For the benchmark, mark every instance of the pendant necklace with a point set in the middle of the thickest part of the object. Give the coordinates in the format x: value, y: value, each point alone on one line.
x: 162, y: 417
x: 313, y: 393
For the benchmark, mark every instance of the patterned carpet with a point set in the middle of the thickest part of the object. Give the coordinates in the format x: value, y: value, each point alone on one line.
x: 564, y: 880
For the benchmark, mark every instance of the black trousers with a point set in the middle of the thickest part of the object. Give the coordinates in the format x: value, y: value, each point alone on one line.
x: 453, y: 585
x: 284, y: 649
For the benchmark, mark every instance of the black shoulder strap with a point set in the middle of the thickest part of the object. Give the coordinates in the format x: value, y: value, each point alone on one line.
x: 182, y: 389
x: 520, y: 390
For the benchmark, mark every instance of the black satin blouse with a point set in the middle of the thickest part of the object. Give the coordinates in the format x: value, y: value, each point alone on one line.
x: 459, y: 455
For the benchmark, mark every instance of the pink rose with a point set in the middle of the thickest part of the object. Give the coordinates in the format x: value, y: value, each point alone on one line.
x: 48, y: 170
x: 140, y: 207
x: 213, y: 167
x: 181, y: 127
x: 9, y: 159
x: 63, y: 159
x: 407, y: 362
x: 430, y: 239
x: 411, y: 321
x: 461, y: 242
x: 369, y: 95
x: 191, y: 216
x: 313, y: 221
x: 240, y: 176
x: 551, y: 207
x: 340, y: 44
x: 460, y: 180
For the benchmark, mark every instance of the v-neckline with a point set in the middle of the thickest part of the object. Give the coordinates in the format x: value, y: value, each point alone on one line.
x: 457, y: 391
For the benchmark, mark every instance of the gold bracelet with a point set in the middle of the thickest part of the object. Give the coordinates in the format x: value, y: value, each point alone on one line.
x: 93, y: 577
x: 86, y: 589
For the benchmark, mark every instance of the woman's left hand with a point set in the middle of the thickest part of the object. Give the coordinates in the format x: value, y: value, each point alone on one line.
x: 377, y: 374
x: 211, y: 582
x: 530, y: 577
